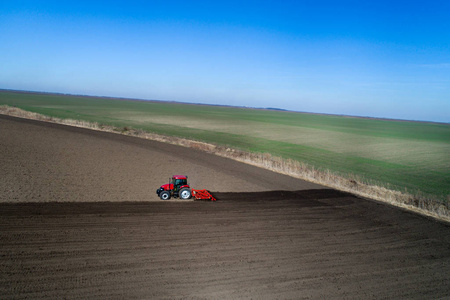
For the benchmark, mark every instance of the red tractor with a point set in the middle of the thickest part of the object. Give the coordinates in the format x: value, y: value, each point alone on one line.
x: 177, y: 187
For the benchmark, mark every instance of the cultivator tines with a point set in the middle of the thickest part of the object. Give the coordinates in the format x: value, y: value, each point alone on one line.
x: 202, y: 195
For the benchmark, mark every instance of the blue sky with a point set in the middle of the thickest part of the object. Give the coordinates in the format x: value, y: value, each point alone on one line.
x: 366, y: 58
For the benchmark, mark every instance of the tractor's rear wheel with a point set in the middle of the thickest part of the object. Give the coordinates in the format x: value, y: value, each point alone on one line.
x: 164, y: 195
x: 185, y: 193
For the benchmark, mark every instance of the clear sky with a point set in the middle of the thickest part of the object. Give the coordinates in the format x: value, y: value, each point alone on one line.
x: 366, y: 58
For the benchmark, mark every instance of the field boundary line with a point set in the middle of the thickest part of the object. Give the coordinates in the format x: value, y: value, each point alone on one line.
x: 418, y: 204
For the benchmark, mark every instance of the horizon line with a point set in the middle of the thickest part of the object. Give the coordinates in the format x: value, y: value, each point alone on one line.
x: 223, y: 105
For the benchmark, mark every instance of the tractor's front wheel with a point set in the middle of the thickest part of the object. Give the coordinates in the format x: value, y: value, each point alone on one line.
x: 185, y: 194
x: 164, y: 195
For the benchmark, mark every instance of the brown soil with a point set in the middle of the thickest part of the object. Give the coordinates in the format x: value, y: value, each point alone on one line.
x: 79, y: 218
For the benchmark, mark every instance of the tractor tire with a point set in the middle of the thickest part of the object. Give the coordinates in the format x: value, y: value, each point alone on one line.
x: 164, y: 195
x: 185, y: 193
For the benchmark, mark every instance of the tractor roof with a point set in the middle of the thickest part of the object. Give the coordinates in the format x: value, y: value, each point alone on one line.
x: 179, y: 177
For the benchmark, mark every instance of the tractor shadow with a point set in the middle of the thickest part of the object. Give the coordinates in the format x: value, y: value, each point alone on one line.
x: 306, y: 198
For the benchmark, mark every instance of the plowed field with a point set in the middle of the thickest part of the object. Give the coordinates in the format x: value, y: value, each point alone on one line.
x: 79, y: 218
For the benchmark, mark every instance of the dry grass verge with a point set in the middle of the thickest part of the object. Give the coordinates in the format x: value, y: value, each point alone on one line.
x: 420, y: 204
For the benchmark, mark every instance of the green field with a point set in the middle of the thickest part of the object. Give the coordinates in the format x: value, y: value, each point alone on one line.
x: 411, y: 156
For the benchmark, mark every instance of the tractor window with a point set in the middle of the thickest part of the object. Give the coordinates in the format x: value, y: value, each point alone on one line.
x: 180, y: 181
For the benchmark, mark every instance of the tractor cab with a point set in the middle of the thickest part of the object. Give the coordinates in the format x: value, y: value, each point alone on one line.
x: 177, y: 187
x: 178, y: 182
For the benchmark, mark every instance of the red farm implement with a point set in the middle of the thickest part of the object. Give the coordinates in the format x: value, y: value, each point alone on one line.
x: 202, y: 195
